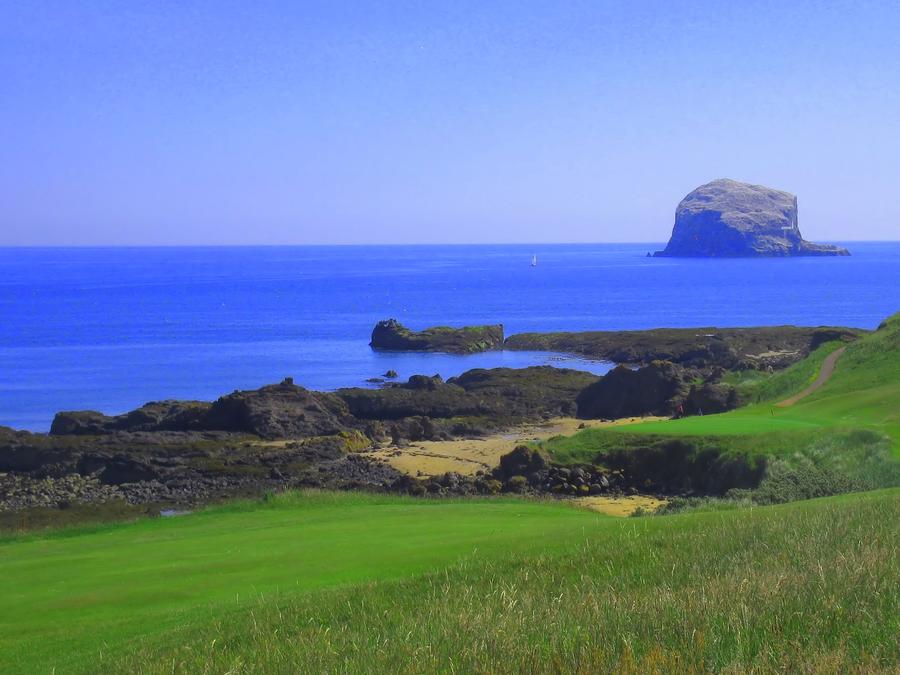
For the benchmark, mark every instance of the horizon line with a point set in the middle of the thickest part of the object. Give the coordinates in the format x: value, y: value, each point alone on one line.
x: 369, y: 244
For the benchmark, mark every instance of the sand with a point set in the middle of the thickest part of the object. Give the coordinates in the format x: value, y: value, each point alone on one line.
x: 620, y: 506
x: 431, y: 458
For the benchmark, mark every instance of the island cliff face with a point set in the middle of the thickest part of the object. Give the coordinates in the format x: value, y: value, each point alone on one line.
x: 728, y: 219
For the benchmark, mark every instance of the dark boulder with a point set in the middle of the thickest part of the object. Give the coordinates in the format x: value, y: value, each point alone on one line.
x: 522, y: 461
x: 517, y: 484
x: 423, y: 382
x: 711, y: 398
x: 656, y: 389
x: 280, y: 411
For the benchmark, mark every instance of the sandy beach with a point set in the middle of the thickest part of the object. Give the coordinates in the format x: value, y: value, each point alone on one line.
x: 468, y: 456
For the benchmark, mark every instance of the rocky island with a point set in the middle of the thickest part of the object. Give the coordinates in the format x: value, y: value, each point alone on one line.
x: 391, y: 335
x: 728, y: 219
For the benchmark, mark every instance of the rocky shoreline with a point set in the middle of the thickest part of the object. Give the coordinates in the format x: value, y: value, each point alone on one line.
x: 283, y: 436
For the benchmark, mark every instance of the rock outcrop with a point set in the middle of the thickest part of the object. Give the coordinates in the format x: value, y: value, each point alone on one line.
x: 283, y: 410
x: 656, y: 389
x: 711, y: 397
x: 391, y: 335
x: 275, y: 411
x: 155, y: 416
x: 728, y: 219
x: 503, y: 394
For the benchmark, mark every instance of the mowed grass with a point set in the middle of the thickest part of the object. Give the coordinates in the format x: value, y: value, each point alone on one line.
x: 349, y: 583
x: 807, y: 587
x: 863, y: 393
x: 66, y: 598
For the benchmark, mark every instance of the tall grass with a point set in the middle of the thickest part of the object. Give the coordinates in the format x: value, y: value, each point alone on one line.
x: 806, y: 587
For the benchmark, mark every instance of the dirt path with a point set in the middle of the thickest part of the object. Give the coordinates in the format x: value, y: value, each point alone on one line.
x: 825, y: 372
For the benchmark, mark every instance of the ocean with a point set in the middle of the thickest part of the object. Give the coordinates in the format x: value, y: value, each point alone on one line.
x: 112, y: 328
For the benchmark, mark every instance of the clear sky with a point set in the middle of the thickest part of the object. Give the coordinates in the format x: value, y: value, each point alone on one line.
x: 306, y: 122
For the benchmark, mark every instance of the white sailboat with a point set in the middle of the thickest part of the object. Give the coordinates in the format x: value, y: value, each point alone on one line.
x: 534, y: 261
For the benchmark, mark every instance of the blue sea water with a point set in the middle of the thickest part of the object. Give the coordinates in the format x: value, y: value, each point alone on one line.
x: 112, y: 328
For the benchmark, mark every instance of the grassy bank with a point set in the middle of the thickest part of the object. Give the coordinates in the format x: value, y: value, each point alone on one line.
x: 359, y: 584
x: 862, y: 394
x: 853, y: 416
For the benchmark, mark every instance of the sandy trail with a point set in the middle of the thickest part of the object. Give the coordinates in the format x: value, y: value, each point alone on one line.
x: 825, y: 372
x: 467, y: 456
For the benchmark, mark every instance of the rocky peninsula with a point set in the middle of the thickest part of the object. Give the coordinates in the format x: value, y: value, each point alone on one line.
x: 702, y: 348
x: 391, y: 335
x: 728, y: 219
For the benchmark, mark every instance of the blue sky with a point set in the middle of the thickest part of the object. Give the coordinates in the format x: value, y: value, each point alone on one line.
x: 425, y: 122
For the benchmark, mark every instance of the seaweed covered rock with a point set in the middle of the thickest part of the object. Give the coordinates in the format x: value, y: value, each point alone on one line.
x: 536, y: 391
x: 155, y: 416
x: 421, y: 397
x: 505, y: 393
x: 522, y: 461
x: 656, y: 389
x: 391, y: 335
x: 81, y: 423
x: 728, y: 219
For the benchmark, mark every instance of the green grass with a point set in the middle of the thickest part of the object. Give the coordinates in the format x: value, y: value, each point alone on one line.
x: 341, y: 583
x: 66, y: 596
x: 862, y: 394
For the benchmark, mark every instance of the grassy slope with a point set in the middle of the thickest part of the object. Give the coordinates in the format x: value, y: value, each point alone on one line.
x: 810, y: 586
x: 757, y: 386
x: 863, y: 393
x: 66, y: 596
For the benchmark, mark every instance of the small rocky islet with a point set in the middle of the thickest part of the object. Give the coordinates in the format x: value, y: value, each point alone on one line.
x: 281, y: 436
x: 391, y: 335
